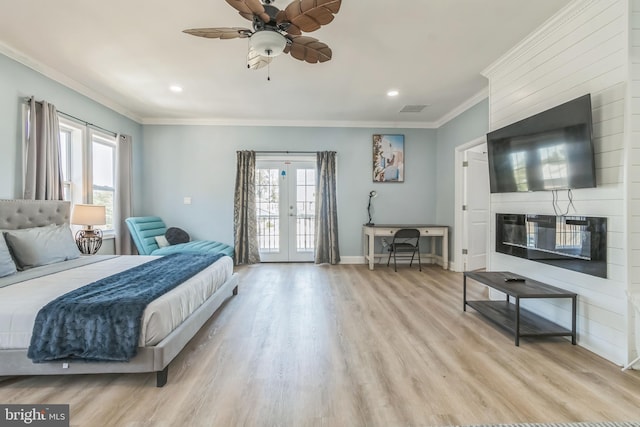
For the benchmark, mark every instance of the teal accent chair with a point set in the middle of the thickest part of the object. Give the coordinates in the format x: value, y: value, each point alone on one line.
x: 144, y: 229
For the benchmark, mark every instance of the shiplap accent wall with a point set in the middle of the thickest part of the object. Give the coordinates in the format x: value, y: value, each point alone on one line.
x: 583, y: 49
x: 634, y: 171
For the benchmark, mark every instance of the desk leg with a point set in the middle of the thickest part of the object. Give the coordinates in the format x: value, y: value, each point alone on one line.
x: 517, y: 321
x: 573, y: 320
x: 371, y: 250
x: 432, y: 251
x: 445, y: 250
x: 365, y: 247
x: 464, y: 293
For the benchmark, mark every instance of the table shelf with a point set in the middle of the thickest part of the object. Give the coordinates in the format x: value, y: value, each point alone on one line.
x: 503, y: 314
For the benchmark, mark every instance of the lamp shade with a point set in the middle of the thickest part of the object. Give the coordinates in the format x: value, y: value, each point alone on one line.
x: 88, y: 215
x: 268, y: 42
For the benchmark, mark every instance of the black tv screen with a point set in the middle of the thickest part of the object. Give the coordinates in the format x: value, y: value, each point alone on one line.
x: 552, y: 150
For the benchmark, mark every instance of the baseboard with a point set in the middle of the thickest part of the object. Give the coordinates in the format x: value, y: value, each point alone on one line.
x: 351, y: 260
x: 382, y: 259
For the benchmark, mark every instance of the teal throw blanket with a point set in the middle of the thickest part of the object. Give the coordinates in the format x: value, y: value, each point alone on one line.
x: 101, y: 321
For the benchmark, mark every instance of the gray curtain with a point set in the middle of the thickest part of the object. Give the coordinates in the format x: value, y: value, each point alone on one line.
x: 245, y: 223
x: 42, y: 173
x: 122, y: 206
x: 327, y: 250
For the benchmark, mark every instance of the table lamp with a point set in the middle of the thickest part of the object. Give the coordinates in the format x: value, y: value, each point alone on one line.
x: 372, y: 194
x: 88, y: 239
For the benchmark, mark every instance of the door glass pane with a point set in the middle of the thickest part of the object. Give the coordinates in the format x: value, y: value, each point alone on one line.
x: 268, y: 209
x: 306, y: 209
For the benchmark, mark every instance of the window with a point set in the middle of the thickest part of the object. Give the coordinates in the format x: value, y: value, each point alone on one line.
x: 103, y: 156
x: 88, y: 160
x: 65, y: 159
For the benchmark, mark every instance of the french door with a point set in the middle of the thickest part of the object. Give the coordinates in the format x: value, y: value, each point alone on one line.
x: 285, y: 203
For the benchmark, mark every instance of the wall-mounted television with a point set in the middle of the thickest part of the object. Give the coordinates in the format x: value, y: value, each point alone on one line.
x: 552, y: 150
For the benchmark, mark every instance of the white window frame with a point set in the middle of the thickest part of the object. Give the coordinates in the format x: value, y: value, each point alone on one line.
x: 81, y: 162
x: 102, y: 138
x: 66, y: 143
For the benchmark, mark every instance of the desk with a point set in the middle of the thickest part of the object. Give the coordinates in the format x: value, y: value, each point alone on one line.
x: 370, y: 232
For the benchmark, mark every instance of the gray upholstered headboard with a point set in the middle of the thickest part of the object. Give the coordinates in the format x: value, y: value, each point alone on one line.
x: 18, y: 213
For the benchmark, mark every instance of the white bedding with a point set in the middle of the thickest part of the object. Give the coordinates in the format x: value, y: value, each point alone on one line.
x: 20, y: 303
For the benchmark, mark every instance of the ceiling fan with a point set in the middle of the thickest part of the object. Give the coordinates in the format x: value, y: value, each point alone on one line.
x: 278, y: 31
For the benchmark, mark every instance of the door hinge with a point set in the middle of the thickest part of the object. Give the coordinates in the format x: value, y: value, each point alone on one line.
x: 465, y: 164
x: 464, y: 207
x: 465, y: 252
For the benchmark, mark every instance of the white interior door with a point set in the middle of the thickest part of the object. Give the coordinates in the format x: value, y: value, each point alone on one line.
x: 476, y: 213
x: 285, y: 203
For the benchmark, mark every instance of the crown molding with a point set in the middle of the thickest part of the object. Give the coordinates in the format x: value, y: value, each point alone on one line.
x: 480, y: 96
x: 109, y: 103
x: 66, y: 81
x: 568, y: 13
x: 288, y: 123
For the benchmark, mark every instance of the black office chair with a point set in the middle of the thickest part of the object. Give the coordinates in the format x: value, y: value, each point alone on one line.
x: 405, y: 242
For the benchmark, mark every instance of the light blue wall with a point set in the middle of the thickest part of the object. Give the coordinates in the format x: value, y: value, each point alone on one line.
x: 199, y: 161
x: 471, y: 124
x: 18, y: 82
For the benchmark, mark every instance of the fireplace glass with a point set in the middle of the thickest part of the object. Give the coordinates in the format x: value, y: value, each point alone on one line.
x: 573, y: 242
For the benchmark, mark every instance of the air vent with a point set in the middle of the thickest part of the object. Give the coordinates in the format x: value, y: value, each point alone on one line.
x: 413, y: 108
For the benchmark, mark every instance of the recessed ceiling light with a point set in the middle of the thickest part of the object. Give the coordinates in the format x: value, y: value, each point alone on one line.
x: 175, y: 88
x: 393, y: 93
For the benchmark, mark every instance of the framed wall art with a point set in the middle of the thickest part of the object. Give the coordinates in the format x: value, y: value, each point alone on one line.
x: 388, y: 158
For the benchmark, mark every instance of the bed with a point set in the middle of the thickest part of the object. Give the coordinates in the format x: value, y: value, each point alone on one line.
x: 168, y: 323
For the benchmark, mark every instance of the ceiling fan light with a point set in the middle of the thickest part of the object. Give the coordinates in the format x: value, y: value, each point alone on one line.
x: 268, y: 42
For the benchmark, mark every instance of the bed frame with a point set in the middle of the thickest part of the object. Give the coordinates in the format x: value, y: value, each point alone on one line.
x: 18, y: 214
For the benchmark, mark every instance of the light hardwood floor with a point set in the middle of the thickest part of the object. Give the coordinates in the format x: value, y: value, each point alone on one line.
x: 307, y: 345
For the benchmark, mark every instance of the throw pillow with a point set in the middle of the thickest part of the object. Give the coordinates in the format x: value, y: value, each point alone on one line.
x: 33, y: 247
x: 7, y: 266
x: 176, y: 235
x: 162, y: 241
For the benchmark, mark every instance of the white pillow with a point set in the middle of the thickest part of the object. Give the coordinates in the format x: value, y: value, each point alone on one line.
x: 162, y: 241
x: 7, y: 266
x: 37, y: 246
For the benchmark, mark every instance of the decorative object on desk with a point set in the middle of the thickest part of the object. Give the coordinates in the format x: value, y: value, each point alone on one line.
x: 388, y: 158
x: 372, y: 194
x: 89, y: 239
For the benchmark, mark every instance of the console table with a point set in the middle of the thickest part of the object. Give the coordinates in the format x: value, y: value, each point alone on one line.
x: 523, y: 323
x: 370, y: 232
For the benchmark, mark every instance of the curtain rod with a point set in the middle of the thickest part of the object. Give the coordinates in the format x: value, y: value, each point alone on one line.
x: 69, y: 116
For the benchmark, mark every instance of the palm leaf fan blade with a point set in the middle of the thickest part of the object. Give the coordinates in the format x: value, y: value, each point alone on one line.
x: 310, y: 15
x: 281, y: 18
x: 219, y: 33
x: 249, y: 8
x: 309, y: 49
x: 240, y: 6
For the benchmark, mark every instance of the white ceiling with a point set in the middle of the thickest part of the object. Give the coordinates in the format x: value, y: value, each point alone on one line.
x: 127, y: 53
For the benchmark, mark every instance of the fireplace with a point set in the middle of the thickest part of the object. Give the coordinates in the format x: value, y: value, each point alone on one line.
x: 573, y: 242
